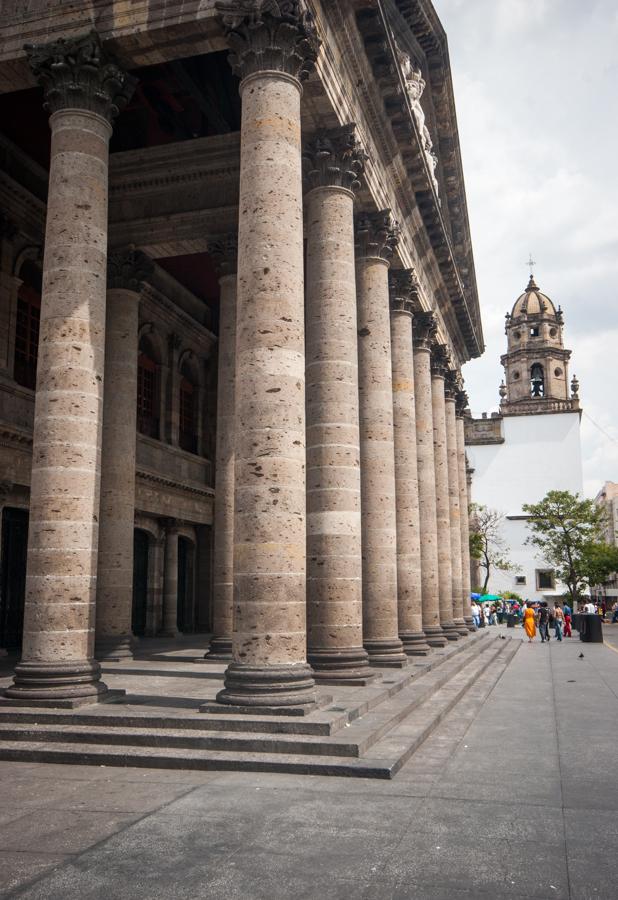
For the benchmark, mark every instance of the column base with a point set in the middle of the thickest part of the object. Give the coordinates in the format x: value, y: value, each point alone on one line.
x: 470, y: 623
x: 219, y: 649
x: 386, y: 653
x: 415, y: 643
x: 462, y: 628
x: 114, y: 647
x: 349, y: 666
x: 450, y: 631
x: 56, y: 683
x: 272, y: 686
x: 435, y: 636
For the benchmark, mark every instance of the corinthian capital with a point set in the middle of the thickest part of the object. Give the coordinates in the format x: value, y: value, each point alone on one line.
x: 377, y: 234
x: 403, y: 290
x: 224, y: 251
x: 127, y: 269
x: 440, y: 360
x: 461, y: 403
x: 77, y: 73
x: 334, y: 158
x: 424, y: 330
x: 451, y: 384
x: 267, y: 35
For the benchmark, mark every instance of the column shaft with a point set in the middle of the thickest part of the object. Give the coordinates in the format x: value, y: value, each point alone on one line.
x: 465, y: 523
x: 427, y: 492
x: 170, y: 583
x: 269, y: 665
x: 455, y: 516
x: 114, y: 639
x: 223, y: 587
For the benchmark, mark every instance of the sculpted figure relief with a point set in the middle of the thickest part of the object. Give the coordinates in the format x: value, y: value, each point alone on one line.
x: 415, y: 85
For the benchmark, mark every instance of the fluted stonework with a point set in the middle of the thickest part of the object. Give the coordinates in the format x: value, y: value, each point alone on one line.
x: 376, y: 237
x: 126, y: 270
x: 83, y: 91
x: 333, y: 162
x: 273, y: 48
x: 224, y: 251
x: 424, y: 331
x: 402, y: 287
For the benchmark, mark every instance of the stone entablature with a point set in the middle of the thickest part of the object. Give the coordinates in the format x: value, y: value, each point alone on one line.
x: 484, y: 430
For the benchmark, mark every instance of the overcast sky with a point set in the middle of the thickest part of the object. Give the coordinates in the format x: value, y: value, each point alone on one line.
x: 536, y: 88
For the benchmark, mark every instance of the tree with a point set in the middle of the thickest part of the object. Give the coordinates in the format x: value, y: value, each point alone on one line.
x: 486, y: 541
x: 568, y: 531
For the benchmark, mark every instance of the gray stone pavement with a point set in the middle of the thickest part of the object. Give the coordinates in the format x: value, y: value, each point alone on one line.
x: 512, y: 796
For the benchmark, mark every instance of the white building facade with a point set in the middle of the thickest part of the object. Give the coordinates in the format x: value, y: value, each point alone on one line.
x: 533, y: 444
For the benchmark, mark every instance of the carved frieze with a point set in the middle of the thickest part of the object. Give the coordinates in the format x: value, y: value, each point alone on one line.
x: 334, y: 157
x: 376, y: 234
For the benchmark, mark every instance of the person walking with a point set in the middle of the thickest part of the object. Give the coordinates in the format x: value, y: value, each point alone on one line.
x: 529, y: 623
x: 567, y: 620
x: 544, y: 621
x: 558, y: 622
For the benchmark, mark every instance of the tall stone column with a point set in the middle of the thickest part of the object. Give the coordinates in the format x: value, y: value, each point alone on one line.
x: 450, y: 393
x: 170, y: 581
x: 464, y: 504
x: 402, y: 284
x: 333, y: 162
x: 424, y: 331
x: 113, y: 637
x: 224, y: 250
x: 272, y: 52
x: 83, y: 91
x: 443, y: 512
x: 376, y: 237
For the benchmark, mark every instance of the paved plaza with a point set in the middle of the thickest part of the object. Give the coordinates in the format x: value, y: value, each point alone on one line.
x: 512, y: 796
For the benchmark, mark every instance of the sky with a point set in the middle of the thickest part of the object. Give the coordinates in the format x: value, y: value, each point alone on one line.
x: 536, y: 88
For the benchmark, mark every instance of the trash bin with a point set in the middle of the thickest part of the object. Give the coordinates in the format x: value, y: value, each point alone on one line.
x: 511, y: 620
x: 591, y: 628
x: 576, y: 621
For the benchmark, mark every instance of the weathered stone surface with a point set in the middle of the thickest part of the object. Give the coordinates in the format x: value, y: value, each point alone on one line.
x: 170, y: 581
x: 464, y: 505
x: 424, y: 330
x: 409, y: 590
x: 376, y: 237
x: 450, y: 390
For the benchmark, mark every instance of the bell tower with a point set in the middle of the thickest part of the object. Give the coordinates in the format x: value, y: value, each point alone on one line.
x: 536, y: 364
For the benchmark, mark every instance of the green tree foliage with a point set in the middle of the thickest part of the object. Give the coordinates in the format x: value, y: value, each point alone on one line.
x: 486, y: 541
x: 568, y: 532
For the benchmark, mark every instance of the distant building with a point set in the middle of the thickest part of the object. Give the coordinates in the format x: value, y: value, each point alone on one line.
x: 608, y: 498
x: 533, y: 444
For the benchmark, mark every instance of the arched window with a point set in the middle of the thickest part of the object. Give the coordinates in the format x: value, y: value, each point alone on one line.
x: 148, y: 391
x: 537, y: 381
x: 187, y: 435
x: 27, y: 326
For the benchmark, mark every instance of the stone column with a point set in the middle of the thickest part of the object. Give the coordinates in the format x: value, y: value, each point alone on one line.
x: 333, y: 162
x: 376, y: 236
x: 443, y: 512
x: 170, y: 582
x: 464, y: 504
x: 83, y: 91
x: 271, y: 52
x: 424, y: 331
x: 113, y: 637
x: 450, y: 393
x: 402, y: 284
x: 224, y: 250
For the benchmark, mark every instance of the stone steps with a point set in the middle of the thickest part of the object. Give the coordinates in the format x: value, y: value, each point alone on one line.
x: 375, y: 743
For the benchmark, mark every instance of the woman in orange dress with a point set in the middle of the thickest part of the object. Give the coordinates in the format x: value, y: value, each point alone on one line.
x: 530, y: 623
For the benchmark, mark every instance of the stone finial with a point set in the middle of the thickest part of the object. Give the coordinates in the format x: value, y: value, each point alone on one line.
x: 127, y: 269
x: 403, y: 290
x: 440, y: 360
x: 224, y: 252
x: 377, y: 234
x: 502, y: 391
x: 265, y: 35
x: 334, y: 157
x: 76, y: 73
x: 574, y: 388
x: 424, y: 330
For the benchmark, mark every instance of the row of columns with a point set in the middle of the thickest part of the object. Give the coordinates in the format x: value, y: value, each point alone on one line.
x: 367, y: 415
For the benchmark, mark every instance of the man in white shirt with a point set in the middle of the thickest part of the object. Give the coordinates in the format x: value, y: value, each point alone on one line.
x: 589, y: 608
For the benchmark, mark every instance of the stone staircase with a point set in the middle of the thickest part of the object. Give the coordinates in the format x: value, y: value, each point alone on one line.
x: 365, y: 732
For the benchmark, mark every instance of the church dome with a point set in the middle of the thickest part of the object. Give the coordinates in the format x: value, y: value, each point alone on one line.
x: 533, y: 302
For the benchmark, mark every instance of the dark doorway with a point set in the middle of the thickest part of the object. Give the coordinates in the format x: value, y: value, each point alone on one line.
x: 140, y: 581
x: 186, y: 568
x: 13, y: 580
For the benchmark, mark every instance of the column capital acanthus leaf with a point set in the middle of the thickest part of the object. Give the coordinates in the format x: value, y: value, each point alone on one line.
x: 224, y: 251
x: 270, y: 35
x: 424, y: 330
x: 376, y: 234
x: 127, y: 269
x: 334, y: 157
x: 461, y: 403
x: 77, y: 73
x: 451, y: 384
x: 440, y: 360
x: 403, y: 290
